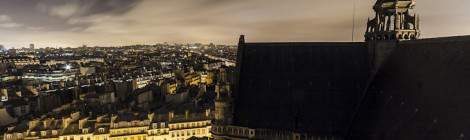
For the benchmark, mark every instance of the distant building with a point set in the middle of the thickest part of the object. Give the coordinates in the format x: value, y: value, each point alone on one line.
x: 20, y: 62
x: 52, y: 76
x: 31, y: 46
x: 122, y: 126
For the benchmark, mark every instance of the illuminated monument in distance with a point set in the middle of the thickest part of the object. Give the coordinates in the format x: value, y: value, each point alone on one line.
x: 393, y: 21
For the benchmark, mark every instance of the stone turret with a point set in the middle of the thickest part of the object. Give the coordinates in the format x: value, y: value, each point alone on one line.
x: 223, y: 106
x: 393, y: 20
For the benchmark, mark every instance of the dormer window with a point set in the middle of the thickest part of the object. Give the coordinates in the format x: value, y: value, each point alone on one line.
x: 54, y: 132
x: 101, y: 130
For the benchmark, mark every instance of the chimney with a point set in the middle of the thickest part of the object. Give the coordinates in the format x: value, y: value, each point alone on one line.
x: 186, y: 114
x: 66, y: 122
x: 32, y: 124
x: 150, y: 116
x: 47, y: 122
x: 100, y: 119
x: 62, y: 84
x: 82, y: 123
x: 75, y: 116
x: 241, y: 40
x: 4, y: 94
x: 208, y: 112
x: 217, y: 89
x: 18, y: 93
x: 227, y: 88
x: 77, y: 83
x: 171, y: 115
x: 113, y: 118
x: 46, y: 86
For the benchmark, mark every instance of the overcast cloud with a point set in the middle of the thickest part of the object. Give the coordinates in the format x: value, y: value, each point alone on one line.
x: 124, y: 22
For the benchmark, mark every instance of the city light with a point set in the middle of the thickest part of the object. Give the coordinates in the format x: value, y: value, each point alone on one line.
x: 68, y: 67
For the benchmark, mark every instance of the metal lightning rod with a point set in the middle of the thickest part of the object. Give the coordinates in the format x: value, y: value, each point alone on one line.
x: 354, y: 21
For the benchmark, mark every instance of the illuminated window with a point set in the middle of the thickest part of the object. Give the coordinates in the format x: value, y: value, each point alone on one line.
x: 101, y: 130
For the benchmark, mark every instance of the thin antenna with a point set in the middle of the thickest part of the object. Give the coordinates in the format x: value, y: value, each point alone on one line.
x: 354, y: 21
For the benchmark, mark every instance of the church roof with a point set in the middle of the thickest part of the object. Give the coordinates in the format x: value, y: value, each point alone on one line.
x: 421, y: 92
x: 302, y: 87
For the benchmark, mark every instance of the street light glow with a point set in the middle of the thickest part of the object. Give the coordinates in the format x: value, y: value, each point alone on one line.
x: 68, y: 67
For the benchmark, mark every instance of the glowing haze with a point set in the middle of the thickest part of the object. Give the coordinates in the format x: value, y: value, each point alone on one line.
x: 71, y: 23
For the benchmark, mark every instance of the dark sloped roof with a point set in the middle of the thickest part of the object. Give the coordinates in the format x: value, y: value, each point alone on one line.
x: 421, y: 92
x: 303, y: 87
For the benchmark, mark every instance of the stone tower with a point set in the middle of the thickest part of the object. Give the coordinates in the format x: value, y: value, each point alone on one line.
x: 223, y: 105
x: 394, y: 20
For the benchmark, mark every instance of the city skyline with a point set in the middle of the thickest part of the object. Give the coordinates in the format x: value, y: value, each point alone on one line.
x: 170, y: 70
x: 73, y: 23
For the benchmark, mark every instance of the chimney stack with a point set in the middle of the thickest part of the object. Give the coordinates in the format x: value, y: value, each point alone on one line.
x: 46, y: 86
x: 4, y: 94
x: 18, y: 93
x: 66, y: 122
x: 82, y: 123
x: 186, y: 114
x: 32, y: 124
x: 62, y: 84
x: 150, y: 116
x: 47, y: 123
x: 208, y: 112
x: 171, y: 115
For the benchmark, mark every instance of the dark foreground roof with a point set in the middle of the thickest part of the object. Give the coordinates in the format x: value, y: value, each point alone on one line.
x: 302, y: 87
x: 421, y: 93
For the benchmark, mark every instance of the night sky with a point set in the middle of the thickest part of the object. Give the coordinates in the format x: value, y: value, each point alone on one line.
x: 71, y: 23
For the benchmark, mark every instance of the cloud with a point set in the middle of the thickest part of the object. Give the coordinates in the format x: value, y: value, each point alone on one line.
x: 5, y: 18
x: 125, y: 22
x: 35, y: 28
x: 64, y: 11
x: 10, y: 25
x: 7, y: 22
